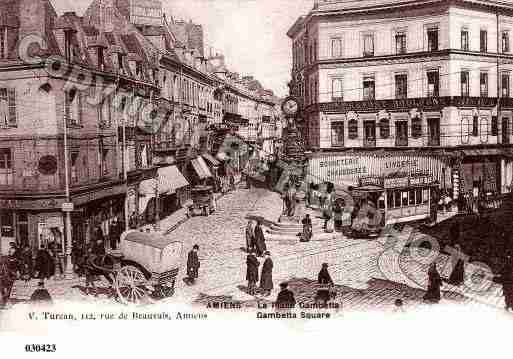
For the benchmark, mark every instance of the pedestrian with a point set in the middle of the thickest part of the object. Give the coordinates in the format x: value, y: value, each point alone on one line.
x: 43, y: 265
x: 285, y: 299
x: 457, y: 276
x: 266, y: 277
x: 232, y: 183
x: 434, y: 283
x: 398, y: 306
x: 78, y: 255
x: 89, y: 271
x: 13, y: 264
x: 260, y: 245
x: 506, y: 279
x: 307, y: 229
x: 28, y: 265
x: 41, y: 295
x: 58, y: 258
x: 252, y: 272
x: 193, y: 264
x: 325, y: 282
x: 250, y: 236
x: 113, y: 234
x: 99, y: 243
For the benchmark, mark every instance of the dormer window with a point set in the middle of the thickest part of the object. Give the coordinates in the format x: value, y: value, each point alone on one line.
x: 4, y: 48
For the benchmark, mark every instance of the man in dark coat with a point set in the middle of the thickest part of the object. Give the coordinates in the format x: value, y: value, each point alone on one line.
x: 114, y: 234
x: 193, y: 264
x: 307, y: 229
x: 43, y: 264
x: 285, y: 299
x: 41, y: 295
x: 324, y: 280
x: 457, y: 276
x: 506, y: 279
x: 252, y: 272
x: 434, y: 283
x: 266, y: 278
x: 260, y: 240
x: 28, y: 266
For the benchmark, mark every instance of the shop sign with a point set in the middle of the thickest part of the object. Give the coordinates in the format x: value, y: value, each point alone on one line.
x: 396, y: 182
x: 371, y: 181
x: 421, y: 180
x: 67, y: 207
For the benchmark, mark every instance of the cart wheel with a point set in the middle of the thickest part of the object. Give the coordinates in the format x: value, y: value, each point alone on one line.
x: 131, y: 285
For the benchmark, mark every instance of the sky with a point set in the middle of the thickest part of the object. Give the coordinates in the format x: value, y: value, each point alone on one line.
x: 250, y: 33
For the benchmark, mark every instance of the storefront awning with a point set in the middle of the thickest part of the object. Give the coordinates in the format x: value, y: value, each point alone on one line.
x: 201, y: 168
x: 170, y: 179
x: 211, y: 159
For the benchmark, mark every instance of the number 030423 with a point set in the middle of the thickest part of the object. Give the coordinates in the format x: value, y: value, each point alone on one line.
x: 40, y: 348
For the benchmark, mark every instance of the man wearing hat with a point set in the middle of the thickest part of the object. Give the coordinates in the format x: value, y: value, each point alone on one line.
x: 193, y: 264
x: 266, y: 278
x: 252, y: 272
x: 325, y: 282
x: 285, y: 299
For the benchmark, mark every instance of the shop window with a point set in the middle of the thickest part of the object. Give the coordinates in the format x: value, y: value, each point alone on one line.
x: 337, y: 134
x: 390, y: 199
x: 483, y: 41
x: 432, y: 36
x: 397, y: 198
x: 464, y: 40
x: 416, y: 127
x: 8, y: 107
x: 401, y: 86
x: 495, y: 127
x: 400, y: 43
x: 425, y: 195
x: 352, y: 129
x: 411, y: 195
x: 404, y: 198
x: 483, y: 80
x: 418, y: 196
x: 6, y: 222
x: 384, y: 128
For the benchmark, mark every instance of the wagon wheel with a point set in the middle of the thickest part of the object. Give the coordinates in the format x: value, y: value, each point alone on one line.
x: 131, y: 286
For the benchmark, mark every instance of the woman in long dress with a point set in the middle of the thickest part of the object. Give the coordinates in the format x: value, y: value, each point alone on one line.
x: 307, y: 229
x: 434, y: 283
x: 457, y: 276
x: 250, y: 236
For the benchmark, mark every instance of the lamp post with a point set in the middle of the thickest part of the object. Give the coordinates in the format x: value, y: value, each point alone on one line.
x: 68, y: 206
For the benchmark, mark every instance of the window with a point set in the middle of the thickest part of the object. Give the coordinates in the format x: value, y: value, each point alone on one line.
x: 390, y: 199
x: 4, y: 48
x: 397, y: 199
x: 464, y: 80
x: 495, y: 126
x: 352, y: 127
x: 475, y: 126
x: 483, y: 47
x: 433, y: 83
x: 74, y: 171
x: 401, y: 133
x: 464, y: 40
x: 400, y: 43
x: 384, y: 128
x: 72, y: 107
x: 416, y: 127
x: 404, y: 198
x: 336, y: 89
x: 6, y: 170
x: 8, y: 107
x: 368, y: 88
x: 483, y: 80
x: 432, y: 35
x: 336, y: 47
x: 401, y: 86
x: 418, y: 196
x: 433, y: 131
x: 411, y: 195
x: 505, y: 84
x: 337, y: 133
x: 368, y: 45
x: 505, y: 41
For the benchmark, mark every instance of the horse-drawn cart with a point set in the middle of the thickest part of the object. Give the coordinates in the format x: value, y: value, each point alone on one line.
x: 146, y: 268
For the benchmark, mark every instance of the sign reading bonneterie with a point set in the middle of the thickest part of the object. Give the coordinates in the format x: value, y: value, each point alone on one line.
x: 348, y: 169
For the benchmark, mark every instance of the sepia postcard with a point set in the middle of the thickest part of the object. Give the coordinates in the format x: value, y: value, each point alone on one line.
x: 244, y: 178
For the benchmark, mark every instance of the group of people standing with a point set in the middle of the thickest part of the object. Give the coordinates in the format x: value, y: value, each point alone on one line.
x: 255, y: 239
x: 266, y: 275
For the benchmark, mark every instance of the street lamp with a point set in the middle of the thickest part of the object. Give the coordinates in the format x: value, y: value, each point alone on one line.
x: 67, y: 207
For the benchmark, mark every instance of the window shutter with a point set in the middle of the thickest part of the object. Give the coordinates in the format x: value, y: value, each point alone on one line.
x: 11, y: 93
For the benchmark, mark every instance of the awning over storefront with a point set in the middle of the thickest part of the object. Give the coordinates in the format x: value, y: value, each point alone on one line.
x: 486, y: 152
x: 201, y: 168
x: 211, y: 159
x: 170, y: 179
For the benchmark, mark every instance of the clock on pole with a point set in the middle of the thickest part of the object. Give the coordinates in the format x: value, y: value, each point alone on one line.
x: 290, y: 106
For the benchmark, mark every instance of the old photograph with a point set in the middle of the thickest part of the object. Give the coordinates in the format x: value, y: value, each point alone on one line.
x: 278, y: 162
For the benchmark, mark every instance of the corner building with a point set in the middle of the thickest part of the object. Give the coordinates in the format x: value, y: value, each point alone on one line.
x: 407, y: 96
